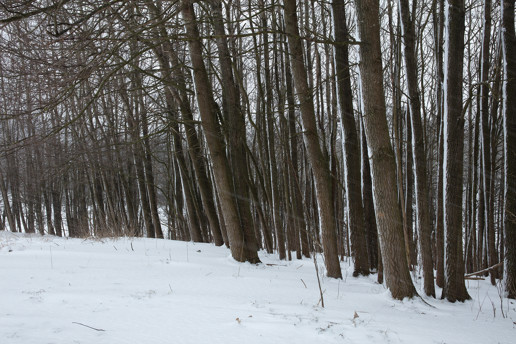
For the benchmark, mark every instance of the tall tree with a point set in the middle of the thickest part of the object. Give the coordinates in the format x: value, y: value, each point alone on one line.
x: 418, y: 148
x: 454, y: 287
x: 350, y: 141
x: 383, y: 169
x: 318, y: 161
x: 509, y: 115
x: 486, y: 139
x: 241, y: 249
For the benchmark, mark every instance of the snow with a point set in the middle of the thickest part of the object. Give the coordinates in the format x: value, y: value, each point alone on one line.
x: 57, y: 290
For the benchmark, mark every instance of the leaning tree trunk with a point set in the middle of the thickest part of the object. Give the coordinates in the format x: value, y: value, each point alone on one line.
x: 318, y: 162
x: 509, y: 115
x: 175, y: 73
x: 418, y: 149
x: 454, y: 287
x: 383, y: 169
x: 236, y: 134
x: 195, y: 151
x: 241, y: 250
x: 350, y: 142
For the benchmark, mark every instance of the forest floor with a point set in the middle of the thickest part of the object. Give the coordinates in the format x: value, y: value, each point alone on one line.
x: 57, y: 290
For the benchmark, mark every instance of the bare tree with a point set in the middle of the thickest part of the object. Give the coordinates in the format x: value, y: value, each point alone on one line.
x: 509, y: 113
x: 317, y: 160
x: 454, y: 288
x: 381, y: 155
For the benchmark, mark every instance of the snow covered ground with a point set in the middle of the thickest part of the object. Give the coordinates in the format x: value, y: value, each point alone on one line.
x: 56, y: 290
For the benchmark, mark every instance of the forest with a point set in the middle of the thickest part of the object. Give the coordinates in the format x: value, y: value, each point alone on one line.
x: 384, y: 131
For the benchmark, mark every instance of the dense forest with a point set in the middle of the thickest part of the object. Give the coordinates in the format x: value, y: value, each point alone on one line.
x: 383, y: 130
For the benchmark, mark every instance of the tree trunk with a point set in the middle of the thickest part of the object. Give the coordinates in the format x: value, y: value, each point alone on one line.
x: 418, y: 146
x: 509, y: 115
x: 241, y: 249
x: 454, y: 287
x: 195, y: 150
x: 301, y: 224
x: 350, y: 142
x: 236, y: 134
x: 369, y: 218
x: 485, y: 132
x: 438, y: 17
x: 381, y: 155
x: 318, y: 162
x: 7, y: 206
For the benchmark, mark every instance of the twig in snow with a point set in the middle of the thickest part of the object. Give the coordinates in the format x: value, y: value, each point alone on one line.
x: 318, y: 281
x: 93, y: 328
x: 304, y: 283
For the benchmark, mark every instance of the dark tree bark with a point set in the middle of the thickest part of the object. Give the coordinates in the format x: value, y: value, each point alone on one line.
x: 318, y: 161
x: 56, y: 206
x: 383, y: 169
x: 486, y: 137
x: 294, y: 147
x: 194, y: 145
x: 418, y: 145
x: 454, y: 287
x: 438, y: 16
x: 509, y: 115
x: 149, y: 178
x: 270, y: 142
x: 6, y: 204
x: 369, y: 218
x: 241, y: 248
x: 351, y: 145
x: 236, y: 134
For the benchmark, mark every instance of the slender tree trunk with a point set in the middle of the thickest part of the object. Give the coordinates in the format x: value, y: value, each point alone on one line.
x: 418, y: 145
x: 195, y: 150
x: 350, y: 142
x: 369, y: 218
x: 48, y: 210
x: 316, y: 157
x: 509, y: 115
x: 149, y: 178
x: 438, y: 16
x: 485, y: 130
x: 294, y: 147
x: 409, y: 186
x: 271, y: 146
x: 56, y: 205
x: 7, y: 206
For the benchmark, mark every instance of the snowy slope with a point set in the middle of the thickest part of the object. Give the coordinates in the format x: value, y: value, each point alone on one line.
x: 55, y: 290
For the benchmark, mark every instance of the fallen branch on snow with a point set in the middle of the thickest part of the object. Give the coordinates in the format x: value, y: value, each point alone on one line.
x: 483, y: 271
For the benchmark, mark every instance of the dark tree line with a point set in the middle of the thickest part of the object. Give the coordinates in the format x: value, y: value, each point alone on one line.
x: 378, y: 130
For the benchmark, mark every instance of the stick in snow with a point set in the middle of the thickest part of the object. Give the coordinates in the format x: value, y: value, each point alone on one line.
x: 93, y: 328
